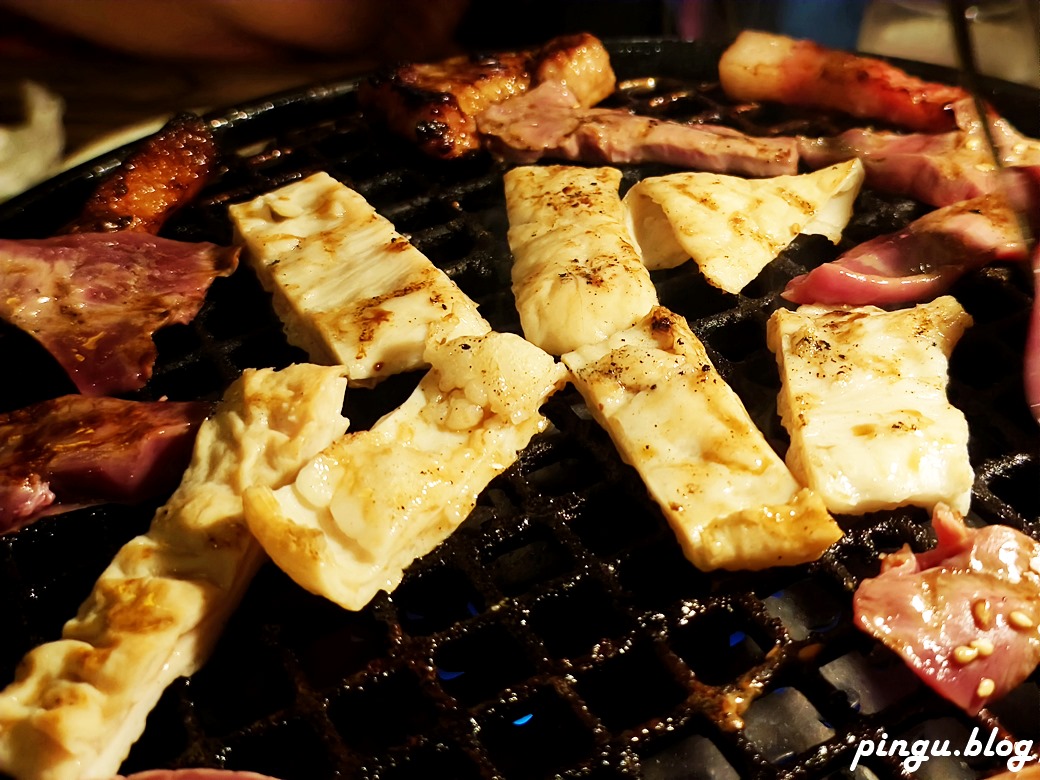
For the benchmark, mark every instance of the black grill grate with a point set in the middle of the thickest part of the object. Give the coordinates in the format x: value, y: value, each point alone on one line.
x: 559, y: 632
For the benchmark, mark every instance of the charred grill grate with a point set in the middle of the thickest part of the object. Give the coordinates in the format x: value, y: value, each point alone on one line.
x: 559, y: 631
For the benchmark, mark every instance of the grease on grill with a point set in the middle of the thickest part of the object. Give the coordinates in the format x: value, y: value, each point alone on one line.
x: 559, y: 632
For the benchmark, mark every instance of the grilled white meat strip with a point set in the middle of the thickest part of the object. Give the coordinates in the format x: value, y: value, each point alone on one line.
x: 734, y: 227
x: 728, y: 496
x: 864, y: 401
x: 347, y: 286
x: 577, y: 274
x: 360, y: 512
x: 77, y: 704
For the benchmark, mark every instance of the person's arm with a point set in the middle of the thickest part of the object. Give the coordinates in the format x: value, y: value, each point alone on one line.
x: 254, y: 29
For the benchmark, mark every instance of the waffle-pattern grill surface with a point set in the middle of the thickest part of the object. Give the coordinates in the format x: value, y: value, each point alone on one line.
x: 559, y: 632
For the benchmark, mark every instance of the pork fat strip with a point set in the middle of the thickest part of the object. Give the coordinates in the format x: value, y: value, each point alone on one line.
x: 919, y: 262
x: 761, y: 66
x: 549, y: 122
x: 963, y: 615
x: 937, y: 169
x: 577, y: 274
x: 78, y: 703
x: 93, y: 300
x: 864, y: 399
x: 363, y: 510
x: 734, y: 227
x: 724, y: 491
x: 348, y: 288
x: 167, y: 171
x: 436, y: 104
x: 73, y: 451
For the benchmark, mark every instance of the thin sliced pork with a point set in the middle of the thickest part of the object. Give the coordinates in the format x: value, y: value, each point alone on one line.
x: 963, y: 615
x: 919, y: 262
x: 550, y: 122
x: 938, y: 169
x: 73, y: 451
x: 93, y: 300
x: 764, y: 66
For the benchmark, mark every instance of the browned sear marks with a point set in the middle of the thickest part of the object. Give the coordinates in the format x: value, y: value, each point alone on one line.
x: 166, y: 172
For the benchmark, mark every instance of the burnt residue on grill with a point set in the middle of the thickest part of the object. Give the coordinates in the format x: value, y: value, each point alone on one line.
x: 560, y: 632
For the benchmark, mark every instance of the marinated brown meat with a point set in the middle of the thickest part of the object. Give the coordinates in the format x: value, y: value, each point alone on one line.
x: 166, y: 172
x: 436, y: 104
x: 579, y: 63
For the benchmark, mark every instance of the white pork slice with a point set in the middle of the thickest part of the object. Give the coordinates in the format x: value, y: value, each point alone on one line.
x: 577, y: 274
x: 347, y: 286
x: 365, y: 508
x: 864, y: 401
x: 77, y: 704
x: 728, y: 496
x: 734, y: 227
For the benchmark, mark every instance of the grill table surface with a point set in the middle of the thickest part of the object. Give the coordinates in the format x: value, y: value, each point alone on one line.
x: 559, y: 632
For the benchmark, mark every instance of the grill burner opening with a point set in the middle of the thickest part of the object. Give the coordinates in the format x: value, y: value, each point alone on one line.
x: 560, y: 631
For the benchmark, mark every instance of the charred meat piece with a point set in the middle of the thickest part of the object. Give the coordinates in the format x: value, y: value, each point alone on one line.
x: 165, y: 173
x: 75, y: 451
x: 761, y: 66
x: 918, y: 262
x: 578, y: 62
x: 436, y: 104
x: 93, y: 300
x: 963, y: 615
x: 548, y: 122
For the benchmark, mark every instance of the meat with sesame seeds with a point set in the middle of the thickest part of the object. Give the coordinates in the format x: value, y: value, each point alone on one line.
x: 946, y: 610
